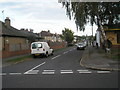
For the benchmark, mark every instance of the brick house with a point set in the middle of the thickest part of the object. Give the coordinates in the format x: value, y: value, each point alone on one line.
x: 113, y: 34
x: 14, y: 41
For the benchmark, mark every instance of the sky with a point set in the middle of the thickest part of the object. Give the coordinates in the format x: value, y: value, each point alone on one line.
x: 40, y: 15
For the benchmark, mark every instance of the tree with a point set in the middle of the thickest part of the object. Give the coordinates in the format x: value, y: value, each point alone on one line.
x: 67, y: 35
x: 93, y: 12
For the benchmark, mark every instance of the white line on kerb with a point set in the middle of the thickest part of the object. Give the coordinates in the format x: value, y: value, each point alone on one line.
x: 56, y: 57
x: 34, y: 68
x: 103, y: 71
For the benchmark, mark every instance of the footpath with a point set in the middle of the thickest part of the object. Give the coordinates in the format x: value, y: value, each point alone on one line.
x: 94, y: 60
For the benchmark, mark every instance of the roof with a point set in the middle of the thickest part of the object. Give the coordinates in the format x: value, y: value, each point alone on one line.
x: 13, y: 32
x: 45, y: 33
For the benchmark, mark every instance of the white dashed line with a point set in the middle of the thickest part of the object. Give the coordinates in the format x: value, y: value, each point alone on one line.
x: 15, y: 73
x: 48, y: 72
x: 65, y: 52
x: 56, y: 57
x: 86, y: 72
x: 65, y: 72
x: 82, y: 70
x: 1, y: 74
x: 103, y: 71
x: 27, y: 72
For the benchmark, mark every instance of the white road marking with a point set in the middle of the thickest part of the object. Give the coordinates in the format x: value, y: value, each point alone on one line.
x: 32, y: 72
x: 1, y: 74
x: 56, y: 57
x: 103, y: 71
x: 65, y: 52
x: 82, y: 70
x: 15, y: 73
x: 70, y: 50
x: 34, y: 68
x: 65, y: 72
x: 48, y: 72
x: 85, y: 72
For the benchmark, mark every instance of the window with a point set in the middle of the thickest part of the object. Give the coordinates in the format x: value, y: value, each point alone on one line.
x: 36, y: 45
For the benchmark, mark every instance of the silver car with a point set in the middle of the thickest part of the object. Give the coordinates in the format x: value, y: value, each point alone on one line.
x: 81, y: 46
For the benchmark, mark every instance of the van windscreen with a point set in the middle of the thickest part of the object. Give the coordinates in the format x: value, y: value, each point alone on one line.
x: 36, y: 45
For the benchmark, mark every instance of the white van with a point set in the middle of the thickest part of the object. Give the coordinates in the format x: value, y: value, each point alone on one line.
x: 41, y: 48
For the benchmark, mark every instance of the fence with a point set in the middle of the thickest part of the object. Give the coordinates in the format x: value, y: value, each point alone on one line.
x: 15, y: 49
x: 57, y: 45
x: 18, y: 47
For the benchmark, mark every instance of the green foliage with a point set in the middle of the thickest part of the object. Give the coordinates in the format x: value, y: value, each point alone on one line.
x: 93, y: 12
x: 68, y: 35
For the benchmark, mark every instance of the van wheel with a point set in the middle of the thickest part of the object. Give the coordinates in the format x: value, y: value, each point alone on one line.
x: 34, y: 56
x: 46, y: 55
x: 52, y: 53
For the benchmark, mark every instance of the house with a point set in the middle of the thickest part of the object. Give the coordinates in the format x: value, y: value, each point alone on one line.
x: 112, y: 33
x: 14, y: 41
x: 54, y: 40
x: 47, y: 36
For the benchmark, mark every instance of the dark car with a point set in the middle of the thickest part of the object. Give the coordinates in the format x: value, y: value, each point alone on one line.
x: 81, y: 46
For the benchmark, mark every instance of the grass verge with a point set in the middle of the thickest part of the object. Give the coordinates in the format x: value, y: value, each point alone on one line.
x: 114, y: 54
x: 19, y: 59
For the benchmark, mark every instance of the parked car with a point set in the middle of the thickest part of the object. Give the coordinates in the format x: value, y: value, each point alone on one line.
x: 41, y: 48
x: 81, y: 46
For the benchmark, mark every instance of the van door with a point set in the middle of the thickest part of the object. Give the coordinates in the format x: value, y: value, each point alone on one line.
x: 36, y: 48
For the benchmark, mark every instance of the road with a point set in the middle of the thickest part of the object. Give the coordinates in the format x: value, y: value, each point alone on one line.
x: 62, y: 70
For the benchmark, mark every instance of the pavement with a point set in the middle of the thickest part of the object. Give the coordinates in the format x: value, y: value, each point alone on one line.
x: 93, y: 59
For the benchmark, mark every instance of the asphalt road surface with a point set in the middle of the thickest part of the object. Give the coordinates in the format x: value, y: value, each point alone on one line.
x: 62, y: 70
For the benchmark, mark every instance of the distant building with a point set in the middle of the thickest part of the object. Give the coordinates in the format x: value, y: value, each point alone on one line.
x: 47, y: 36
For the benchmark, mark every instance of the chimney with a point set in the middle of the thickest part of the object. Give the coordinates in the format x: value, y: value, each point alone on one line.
x: 31, y: 30
x: 7, y: 22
